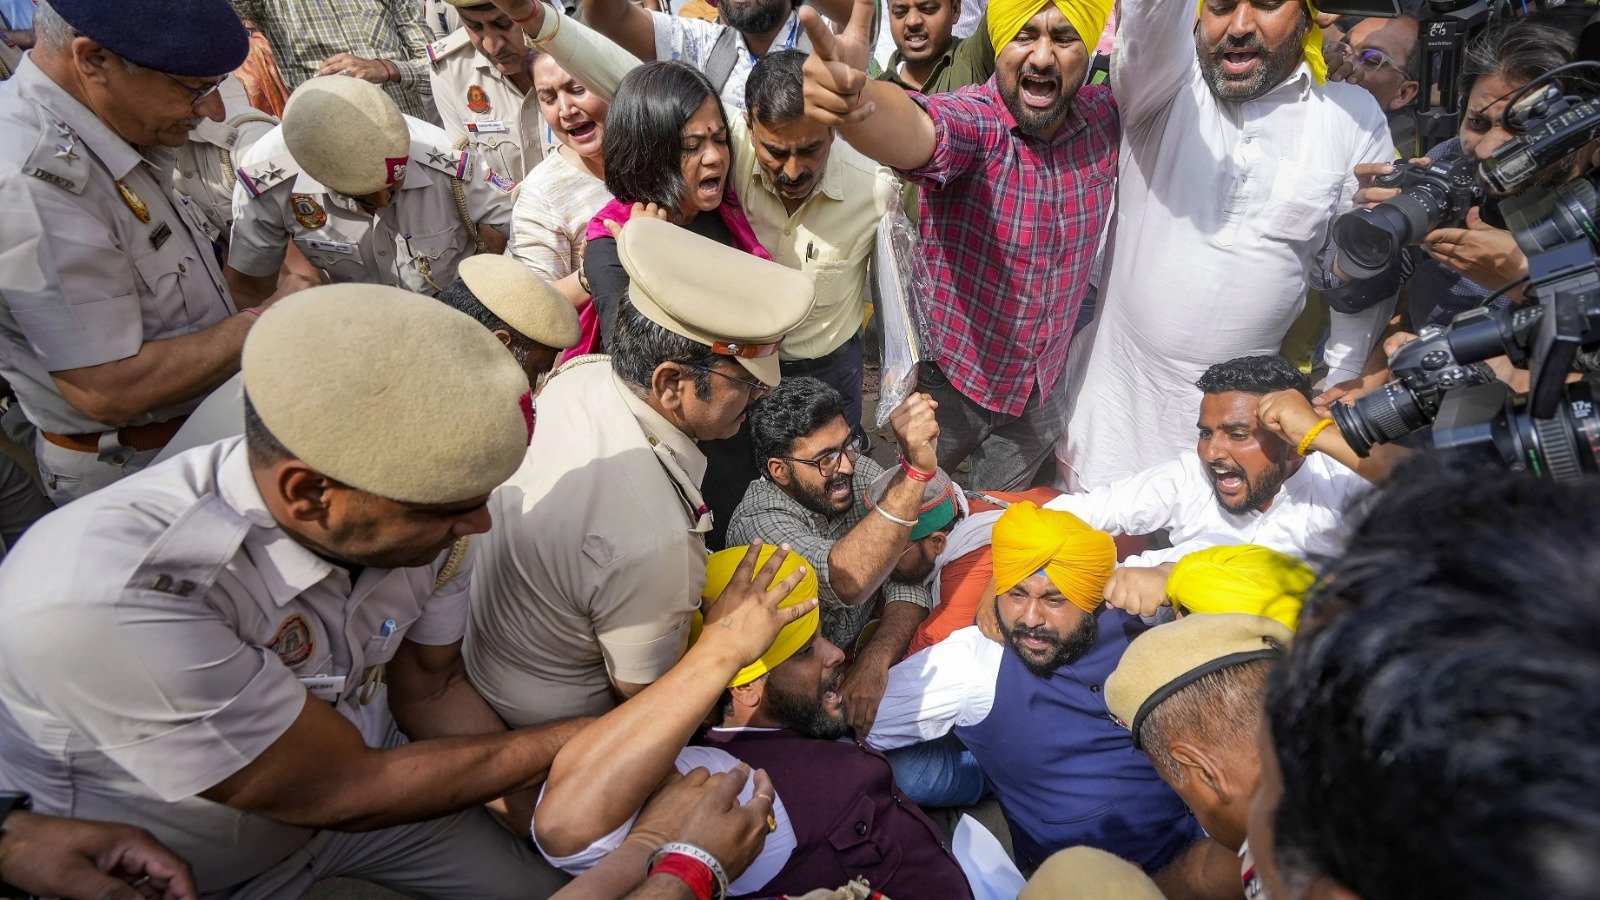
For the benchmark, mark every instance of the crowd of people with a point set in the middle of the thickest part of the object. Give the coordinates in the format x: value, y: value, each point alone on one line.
x: 439, y: 450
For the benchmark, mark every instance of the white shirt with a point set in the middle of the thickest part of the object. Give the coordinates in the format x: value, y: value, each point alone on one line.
x: 948, y: 685
x: 1308, y: 518
x: 774, y: 854
x: 161, y: 633
x: 691, y: 40
x: 1221, y: 209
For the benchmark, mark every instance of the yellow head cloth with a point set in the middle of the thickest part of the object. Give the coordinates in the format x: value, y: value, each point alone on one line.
x: 1310, y: 45
x: 1076, y: 558
x: 1241, y: 579
x: 1006, y: 18
x: 795, y: 635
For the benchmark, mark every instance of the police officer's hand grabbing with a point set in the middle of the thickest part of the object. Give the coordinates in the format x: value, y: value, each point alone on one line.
x: 74, y: 858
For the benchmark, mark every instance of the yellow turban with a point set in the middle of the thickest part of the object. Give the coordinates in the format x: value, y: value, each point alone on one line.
x: 1241, y: 579
x: 1076, y: 558
x: 1310, y: 45
x: 1006, y: 18
x: 720, y: 568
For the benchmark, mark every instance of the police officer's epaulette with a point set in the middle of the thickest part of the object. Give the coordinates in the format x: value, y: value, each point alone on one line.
x: 447, y: 46
x: 58, y: 158
x: 452, y: 162
x: 236, y: 125
x: 260, y: 177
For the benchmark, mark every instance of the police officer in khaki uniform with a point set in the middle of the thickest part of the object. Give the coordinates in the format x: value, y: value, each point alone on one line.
x: 366, y: 194
x: 585, y: 585
x: 203, y: 651
x: 114, y: 316
x: 483, y: 85
x: 205, y: 171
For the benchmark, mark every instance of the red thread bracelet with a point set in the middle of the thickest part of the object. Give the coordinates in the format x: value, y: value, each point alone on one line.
x: 533, y: 11
x: 696, y: 874
x: 252, y: 311
x: 916, y: 474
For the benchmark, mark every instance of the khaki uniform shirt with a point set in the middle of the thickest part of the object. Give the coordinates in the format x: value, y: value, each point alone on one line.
x: 163, y: 632
x: 89, y: 272
x: 205, y: 172
x: 596, y: 558
x: 482, y: 110
x: 414, y: 243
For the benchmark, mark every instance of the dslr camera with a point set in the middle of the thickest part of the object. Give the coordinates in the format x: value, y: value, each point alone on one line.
x: 1432, y: 196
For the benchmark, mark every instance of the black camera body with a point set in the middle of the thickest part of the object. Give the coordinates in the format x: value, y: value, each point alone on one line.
x: 1432, y: 196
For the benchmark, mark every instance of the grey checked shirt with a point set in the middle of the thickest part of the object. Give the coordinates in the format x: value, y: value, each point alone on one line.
x: 768, y: 514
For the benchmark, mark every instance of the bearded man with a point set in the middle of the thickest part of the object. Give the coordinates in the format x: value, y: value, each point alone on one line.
x: 1031, y: 708
x: 1017, y: 176
x: 1236, y: 158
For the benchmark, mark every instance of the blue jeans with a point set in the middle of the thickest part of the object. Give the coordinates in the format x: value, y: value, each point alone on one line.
x: 938, y: 773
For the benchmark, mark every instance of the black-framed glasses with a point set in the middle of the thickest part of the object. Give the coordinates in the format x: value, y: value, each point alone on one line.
x: 827, y: 464
x: 199, y: 94
x: 755, y: 387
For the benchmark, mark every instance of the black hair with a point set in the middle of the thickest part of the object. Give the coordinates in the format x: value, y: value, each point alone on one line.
x: 262, y: 446
x: 1254, y: 375
x: 795, y: 408
x: 639, y: 345
x: 1437, y: 719
x: 643, y: 143
x: 1522, y: 49
x: 775, y: 93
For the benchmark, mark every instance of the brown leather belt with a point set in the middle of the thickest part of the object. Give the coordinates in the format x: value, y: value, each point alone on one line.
x: 152, y: 436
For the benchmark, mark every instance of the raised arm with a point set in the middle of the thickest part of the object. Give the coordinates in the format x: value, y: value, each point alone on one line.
x: 1154, y: 55
x: 595, y: 60
x: 631, y: 749
x: 878, y: 118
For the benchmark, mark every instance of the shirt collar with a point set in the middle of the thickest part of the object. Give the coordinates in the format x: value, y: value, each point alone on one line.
x: 663, y: 433
x: 895, y: 59
x: 416, y: 177
x: 485, y: 65
x: 289, y: 568
x: 117, y: 155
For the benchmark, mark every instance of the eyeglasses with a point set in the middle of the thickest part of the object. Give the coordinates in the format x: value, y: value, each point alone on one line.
x: 1373, y: 60
x: 199, y: 94
x: 828, y: 463
x: 756, y: 387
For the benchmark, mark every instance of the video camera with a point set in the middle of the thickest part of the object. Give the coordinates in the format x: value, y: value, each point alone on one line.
x: 1554, y: 429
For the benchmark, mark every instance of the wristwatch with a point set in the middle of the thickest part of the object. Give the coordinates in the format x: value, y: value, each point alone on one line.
x: 10, y: 802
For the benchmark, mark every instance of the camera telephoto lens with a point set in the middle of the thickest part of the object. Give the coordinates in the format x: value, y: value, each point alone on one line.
x: 1490, y: 426
x: 1387, y: 414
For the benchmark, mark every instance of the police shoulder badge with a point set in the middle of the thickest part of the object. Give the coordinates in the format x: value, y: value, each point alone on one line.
x: 307, y: 211
x: 133, y: 202
x: 293, y: 642
x: 477, y: 99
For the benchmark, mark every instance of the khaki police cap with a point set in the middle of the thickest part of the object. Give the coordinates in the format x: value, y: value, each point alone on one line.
x: 1089, y: 872
x: 388, y: 391
x: 1168, y: 658
x: 522, y: 299
x: 347, y: 134
x: 737, y: 304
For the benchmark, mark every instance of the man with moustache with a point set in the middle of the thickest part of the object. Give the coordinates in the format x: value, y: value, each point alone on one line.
x: 1243, y: 482
x: 928, y: 57
x: 1031, y: 709
x: 483, y: 86
x: 1016, y: 177
x: 115, y: 319
x: 812, y: 496
x: 1236, y: 158
x: 836, y: 812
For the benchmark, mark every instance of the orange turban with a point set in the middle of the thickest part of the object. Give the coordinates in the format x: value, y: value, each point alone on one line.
x: 1077, y: 559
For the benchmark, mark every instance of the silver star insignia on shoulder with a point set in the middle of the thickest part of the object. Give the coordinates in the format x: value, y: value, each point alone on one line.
x: 63, y: 130
x: 440, y: 159
x: 270, y: 174
x: 64, y: 151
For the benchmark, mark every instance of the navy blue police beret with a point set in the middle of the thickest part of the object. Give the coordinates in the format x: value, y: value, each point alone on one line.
x: 192, y: 38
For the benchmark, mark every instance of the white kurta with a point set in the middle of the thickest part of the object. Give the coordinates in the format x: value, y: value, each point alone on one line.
x: 1221, y: 210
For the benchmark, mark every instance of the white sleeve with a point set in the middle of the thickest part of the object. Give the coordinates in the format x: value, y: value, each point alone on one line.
x: 1351, y: 336
x: 774, y: 854
x: 1152, y: 558
x: 1154, y: 56
x: 1138, y: 504
x: 947, y: 685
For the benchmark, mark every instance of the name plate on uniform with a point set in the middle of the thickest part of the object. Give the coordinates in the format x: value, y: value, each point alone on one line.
x: 488, y: 127
x: 333, y: 247
x: 327, y: 688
